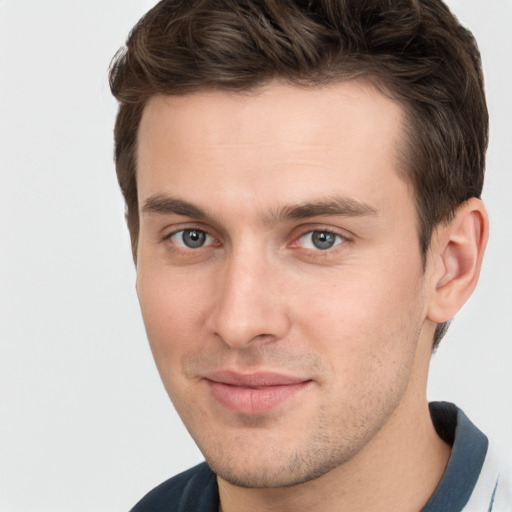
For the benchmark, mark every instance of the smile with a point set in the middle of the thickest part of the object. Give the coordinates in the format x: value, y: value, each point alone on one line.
x: 257, y: 393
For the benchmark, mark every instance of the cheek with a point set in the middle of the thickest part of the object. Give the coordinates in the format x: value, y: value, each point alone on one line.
x: 172, y: 311
x: 171, y: 308
x: 367, y: 338
x: 362, y: 316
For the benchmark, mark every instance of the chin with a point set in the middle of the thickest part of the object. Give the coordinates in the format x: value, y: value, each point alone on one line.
x: 276, y: 468
x: 265, y: 477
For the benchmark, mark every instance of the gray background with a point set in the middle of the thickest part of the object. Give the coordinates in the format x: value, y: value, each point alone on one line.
x: 85, y: 424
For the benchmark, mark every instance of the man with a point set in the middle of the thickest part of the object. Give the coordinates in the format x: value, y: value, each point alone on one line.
x: 302, y: 182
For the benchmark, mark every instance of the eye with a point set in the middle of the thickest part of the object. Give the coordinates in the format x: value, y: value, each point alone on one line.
x: 191, y: 238
x: 320, y: 240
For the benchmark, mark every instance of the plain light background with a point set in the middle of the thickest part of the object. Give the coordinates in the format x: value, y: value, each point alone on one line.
x: 85, y: 424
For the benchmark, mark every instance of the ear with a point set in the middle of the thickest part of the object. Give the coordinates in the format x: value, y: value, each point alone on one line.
x: 457, y: 251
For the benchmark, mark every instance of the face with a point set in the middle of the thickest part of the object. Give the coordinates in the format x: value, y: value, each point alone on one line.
x: 279, y: 274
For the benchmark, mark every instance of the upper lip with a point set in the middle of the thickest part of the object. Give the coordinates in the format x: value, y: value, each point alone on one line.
x: 253, y: 380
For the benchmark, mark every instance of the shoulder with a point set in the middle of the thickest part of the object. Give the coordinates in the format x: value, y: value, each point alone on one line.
x: 493, y: 491
x: 477, y: 477
x: 194, y: 489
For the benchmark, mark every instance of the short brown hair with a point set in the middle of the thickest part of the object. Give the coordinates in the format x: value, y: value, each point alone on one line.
x: 416, y: 51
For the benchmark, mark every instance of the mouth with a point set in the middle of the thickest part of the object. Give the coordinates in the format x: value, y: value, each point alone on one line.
x: 255, y: 393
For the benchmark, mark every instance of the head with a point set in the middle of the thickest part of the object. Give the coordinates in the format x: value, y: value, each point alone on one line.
x: 244, y: 129
x: 414, y: 51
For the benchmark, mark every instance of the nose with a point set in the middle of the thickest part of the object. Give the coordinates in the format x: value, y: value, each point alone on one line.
x: 249, y: 307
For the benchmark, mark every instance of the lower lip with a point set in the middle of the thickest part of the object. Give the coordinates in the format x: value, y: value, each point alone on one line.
x: 246, y: 400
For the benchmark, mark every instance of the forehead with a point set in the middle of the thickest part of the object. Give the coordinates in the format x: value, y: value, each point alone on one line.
x: 276, y: 143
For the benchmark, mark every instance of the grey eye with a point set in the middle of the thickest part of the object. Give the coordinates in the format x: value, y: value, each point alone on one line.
x: 320, y: 240
x: 323, y: 239
x: 191, y: 238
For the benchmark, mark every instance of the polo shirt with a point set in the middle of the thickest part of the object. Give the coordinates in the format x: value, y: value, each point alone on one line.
x: 475, y: 480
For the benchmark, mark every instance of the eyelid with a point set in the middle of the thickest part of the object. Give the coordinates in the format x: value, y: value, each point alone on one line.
x: 208, y: 240
x: 303, y: 242
x: 339, y: 239
x: 317, y: 254
x: 308, y: 228
x: 171, y: 231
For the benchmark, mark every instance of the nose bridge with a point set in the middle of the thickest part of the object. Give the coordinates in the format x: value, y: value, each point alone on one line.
x: 248, y: 306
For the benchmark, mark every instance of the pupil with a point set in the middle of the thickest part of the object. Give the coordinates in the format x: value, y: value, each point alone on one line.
x: 193, y: 238
x: 323, y: 239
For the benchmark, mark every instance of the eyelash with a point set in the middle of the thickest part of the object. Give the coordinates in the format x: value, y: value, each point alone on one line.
x: 340, y: 239
x: 169, y: 236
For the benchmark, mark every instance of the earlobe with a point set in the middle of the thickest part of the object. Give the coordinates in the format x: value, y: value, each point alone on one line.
x: 458, y: 251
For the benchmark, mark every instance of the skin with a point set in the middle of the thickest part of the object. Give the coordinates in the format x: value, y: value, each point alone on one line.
x: 355, y: 321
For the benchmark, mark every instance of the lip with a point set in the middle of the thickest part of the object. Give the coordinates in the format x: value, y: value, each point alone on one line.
x: 254, y: 393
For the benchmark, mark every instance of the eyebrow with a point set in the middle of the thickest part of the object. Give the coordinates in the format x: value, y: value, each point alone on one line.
x: 165, y: 205
x: 331, y: 206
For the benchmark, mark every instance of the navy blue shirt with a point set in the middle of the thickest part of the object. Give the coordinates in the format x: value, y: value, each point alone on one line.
x: 196, y: 490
